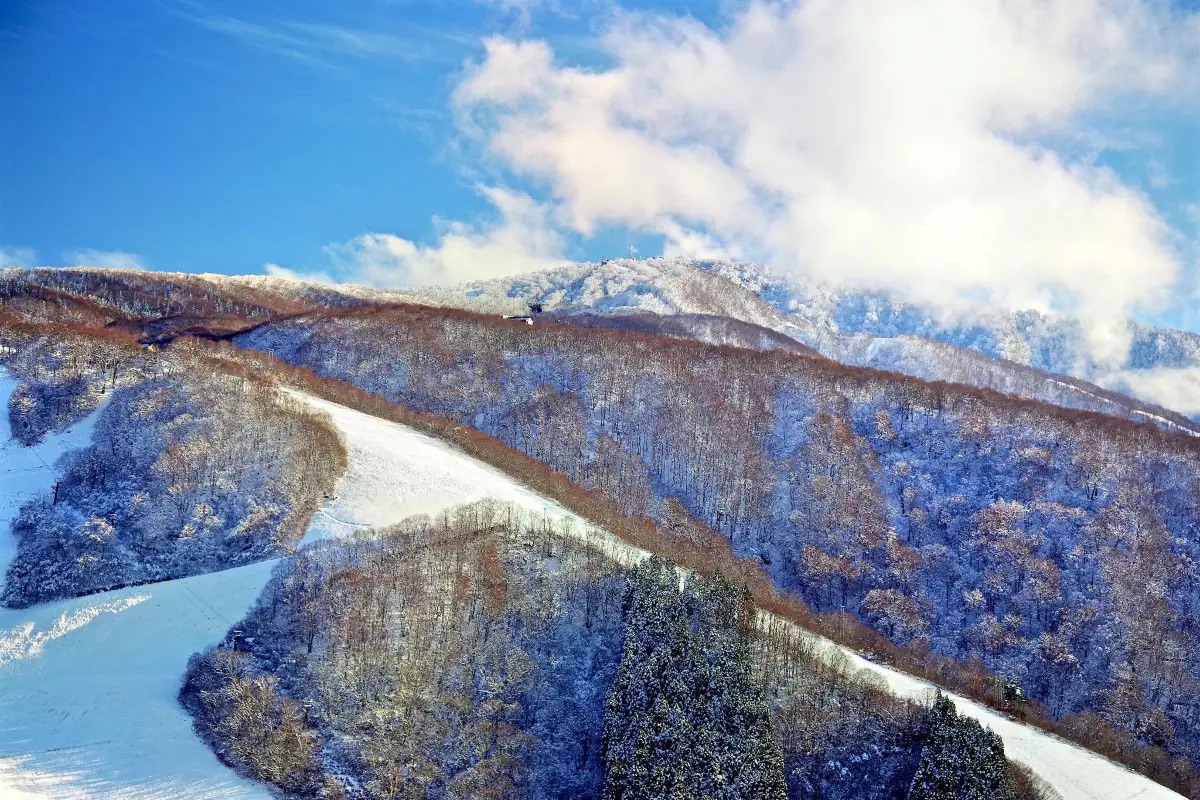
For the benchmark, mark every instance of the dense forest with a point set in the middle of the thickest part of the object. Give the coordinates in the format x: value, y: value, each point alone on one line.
x: 486, y: 654
x: 1053, y: 548
x: 1058, y: 547
x: 191, y: 467
x: 128, y: 299
x: 1025, y: 355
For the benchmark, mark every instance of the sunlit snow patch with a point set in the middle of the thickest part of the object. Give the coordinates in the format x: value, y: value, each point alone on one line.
x: 24, y: 641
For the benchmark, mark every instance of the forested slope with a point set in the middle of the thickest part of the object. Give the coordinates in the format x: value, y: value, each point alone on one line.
x: 192, y: 466
x: 1052, y: 342
x: 1058, y: 547
x: 1024, y: 354
x: 490, y: 654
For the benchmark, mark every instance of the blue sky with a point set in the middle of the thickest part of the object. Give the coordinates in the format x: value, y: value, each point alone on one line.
x: 165, y: 130
x: 198, y: 135
x: 223, y: 136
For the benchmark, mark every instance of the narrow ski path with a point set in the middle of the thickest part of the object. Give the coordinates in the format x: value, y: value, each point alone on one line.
x: 88, y: 686
x: 90, y: 710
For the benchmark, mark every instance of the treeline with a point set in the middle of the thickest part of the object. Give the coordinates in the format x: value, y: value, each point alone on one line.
x: 65, y: 370
x: 954, y: 521
x: 486, y: 654
x: 483, y: 359
x: 192, y: 466
x: 136, y: 294
x: 128, y: 297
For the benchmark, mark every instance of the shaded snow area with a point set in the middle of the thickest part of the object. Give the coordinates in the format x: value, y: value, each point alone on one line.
x: 92, y: 713
x: 28, y: 471
x: 88, y: 686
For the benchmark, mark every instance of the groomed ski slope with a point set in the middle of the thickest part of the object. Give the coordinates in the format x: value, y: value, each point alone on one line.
x: 88, y: 686
x: 91, y: 712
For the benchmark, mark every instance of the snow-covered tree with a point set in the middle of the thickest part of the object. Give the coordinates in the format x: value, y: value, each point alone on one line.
x: 686, y: 717
x: 961, y: 760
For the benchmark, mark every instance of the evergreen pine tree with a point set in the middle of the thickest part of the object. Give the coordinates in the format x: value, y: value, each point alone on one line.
x: 686, y: 717
x: 961, y: 760
x: 647, y: 711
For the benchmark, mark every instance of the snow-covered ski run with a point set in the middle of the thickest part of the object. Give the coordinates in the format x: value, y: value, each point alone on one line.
x: 88, y: 686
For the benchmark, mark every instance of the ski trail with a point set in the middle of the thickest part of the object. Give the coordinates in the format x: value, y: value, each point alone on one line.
x: 1076, y: 773
x: 95, y: 715
x: 88, y: 686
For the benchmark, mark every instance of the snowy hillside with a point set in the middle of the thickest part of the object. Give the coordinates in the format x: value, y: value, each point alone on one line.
x: 1050, y: 342
x: 24, y: 471
x: 1024, y: 354
x: 88, y: 686
x: 705, y: 328
x: 1070, y: 770
x: 932, y: 360
x: 660, y: 286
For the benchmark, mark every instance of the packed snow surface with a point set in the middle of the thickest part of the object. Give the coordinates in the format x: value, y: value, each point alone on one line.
x: 93, y: 714
x: 395, y: 472
x: 25, y: 471
x: 87, y: 686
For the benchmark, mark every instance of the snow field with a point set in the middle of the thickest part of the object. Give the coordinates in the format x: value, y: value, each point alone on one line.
x: 396, y: 472
x: 94, y: 713
x: 88, y: 686
x: 87, y: 693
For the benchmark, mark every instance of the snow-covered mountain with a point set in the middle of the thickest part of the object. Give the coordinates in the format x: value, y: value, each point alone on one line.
x: 837, y: 481
x: 697, y: 327
x: 660, y: 286
x: 87, y: 724
x: 1025, y: 354
x: 1050, y: 342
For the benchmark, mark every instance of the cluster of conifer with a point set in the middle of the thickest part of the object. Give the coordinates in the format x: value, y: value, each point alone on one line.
x: 686, y: 716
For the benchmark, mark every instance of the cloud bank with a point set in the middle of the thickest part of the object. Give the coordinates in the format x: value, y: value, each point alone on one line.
x: 941, y: 147
x: 520, y: 238
x: 1175, y: 388
x: 104, y: 259
x: 16, y: 256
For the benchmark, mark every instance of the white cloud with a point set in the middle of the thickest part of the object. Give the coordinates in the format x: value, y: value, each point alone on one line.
x: 1158, y: 176
x: 679, y: 241
x: 909, y: 144
x: 522, y: 238
x: 104, y: 259
x: 314, y: 44
x: 522, y: 9
x: 277, y: 271
x: 16, y: 256
x: 1175, y: 388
